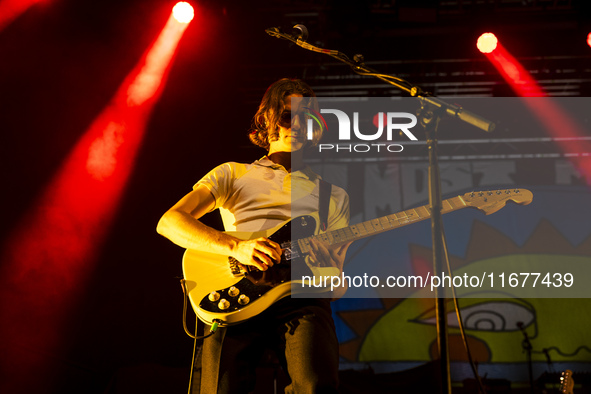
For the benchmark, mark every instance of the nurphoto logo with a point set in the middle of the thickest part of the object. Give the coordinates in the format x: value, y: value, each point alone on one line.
x: 389, y: 124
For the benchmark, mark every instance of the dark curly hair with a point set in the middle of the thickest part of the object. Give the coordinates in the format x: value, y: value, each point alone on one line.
x: 265, y: 122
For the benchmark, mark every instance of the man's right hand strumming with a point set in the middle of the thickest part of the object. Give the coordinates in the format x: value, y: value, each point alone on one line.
x: 261, y: 253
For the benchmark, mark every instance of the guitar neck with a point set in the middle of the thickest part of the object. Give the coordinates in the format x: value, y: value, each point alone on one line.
x: 381, y: 225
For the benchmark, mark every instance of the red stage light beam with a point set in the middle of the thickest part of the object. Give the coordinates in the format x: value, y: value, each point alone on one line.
x: 12, y: 9
x: 52, y: 252
x: 566, y: 131
x: 511, y: 70
x: 557, y: 123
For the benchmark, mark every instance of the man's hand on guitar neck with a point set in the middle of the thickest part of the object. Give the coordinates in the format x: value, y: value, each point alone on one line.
x: 261, y: 253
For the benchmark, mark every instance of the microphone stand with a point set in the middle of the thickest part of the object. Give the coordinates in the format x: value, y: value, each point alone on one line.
x: 429, y: 120
x: 432, y: 110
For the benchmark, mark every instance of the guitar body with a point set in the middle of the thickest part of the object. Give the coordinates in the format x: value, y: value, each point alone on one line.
x: 211, y: 278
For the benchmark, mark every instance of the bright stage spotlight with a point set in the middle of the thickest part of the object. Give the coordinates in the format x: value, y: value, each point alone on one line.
x: 589, y: 39
x: 183, y: 12
x: 487, y: 43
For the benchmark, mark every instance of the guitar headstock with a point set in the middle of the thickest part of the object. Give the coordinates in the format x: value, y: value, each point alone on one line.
x: 491, y: 201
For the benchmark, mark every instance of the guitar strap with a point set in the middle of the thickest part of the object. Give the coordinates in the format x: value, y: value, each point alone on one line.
x: 324, y: 203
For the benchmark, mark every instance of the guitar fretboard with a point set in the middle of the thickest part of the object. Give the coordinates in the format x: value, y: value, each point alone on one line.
x: 380, y: 225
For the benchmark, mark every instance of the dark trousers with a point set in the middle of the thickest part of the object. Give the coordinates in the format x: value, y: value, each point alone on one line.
x: 300, y: 332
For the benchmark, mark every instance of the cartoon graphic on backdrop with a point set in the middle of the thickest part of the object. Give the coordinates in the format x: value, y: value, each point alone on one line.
x: 404, y: 329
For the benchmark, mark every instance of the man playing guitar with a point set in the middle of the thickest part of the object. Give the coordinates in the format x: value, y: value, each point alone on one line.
x: 255, y: 197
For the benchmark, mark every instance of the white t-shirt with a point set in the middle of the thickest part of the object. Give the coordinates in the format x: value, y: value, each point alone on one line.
x: 263, y: 195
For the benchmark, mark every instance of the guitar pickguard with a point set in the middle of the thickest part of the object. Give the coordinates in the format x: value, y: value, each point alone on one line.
x: 255, y: 283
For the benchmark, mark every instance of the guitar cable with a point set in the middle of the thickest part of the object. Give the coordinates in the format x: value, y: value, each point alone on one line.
x: 213, y: 327
x: 481, y: 388
x: 193, y: 357
x: 195, y: 337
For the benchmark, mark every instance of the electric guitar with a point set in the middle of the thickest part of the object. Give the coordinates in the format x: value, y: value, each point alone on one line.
x: 221, y: 290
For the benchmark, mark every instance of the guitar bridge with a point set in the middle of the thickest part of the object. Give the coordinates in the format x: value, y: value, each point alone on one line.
x: 235, y: 267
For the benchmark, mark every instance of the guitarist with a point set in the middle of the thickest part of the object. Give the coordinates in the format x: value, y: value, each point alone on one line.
x: 254, y: 197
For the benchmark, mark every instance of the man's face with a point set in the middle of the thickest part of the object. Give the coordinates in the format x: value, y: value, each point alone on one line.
x: 291, y: 136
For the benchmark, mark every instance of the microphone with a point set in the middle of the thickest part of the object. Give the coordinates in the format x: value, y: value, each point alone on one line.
x: 299, y: 32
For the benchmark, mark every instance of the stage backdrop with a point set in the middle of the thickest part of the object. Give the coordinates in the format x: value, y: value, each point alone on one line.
x: 386, y: 333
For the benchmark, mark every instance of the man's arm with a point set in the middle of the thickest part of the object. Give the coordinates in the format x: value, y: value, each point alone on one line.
x: 181, y: 225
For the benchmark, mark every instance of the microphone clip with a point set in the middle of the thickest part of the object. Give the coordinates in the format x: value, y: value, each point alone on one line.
x: 300, y: 32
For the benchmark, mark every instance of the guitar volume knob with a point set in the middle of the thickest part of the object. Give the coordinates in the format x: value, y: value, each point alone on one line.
x: 233, y: 291
x: 243, y: 299
x: 223, y: 304
x: 214, y: 296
